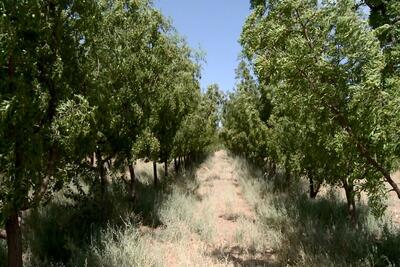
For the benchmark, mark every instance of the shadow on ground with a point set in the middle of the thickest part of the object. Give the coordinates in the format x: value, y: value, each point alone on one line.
x: 240, y: 256
x: 317, y: 232
x: 66, y: 227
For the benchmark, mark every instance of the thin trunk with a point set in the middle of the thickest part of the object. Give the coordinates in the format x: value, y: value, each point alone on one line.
x: 175, y: 165
x: 102, y: 173
x: 14, y: 241
x: 166, y: 168
x: 314, y: 188
x: 288, y: 171
x: 179, y: 162
x: 92, y: 160
x: 132, y: 182
x: 351, y: 203
x: 103, y: 182
x: 271, y: 169
x: 155, y: 173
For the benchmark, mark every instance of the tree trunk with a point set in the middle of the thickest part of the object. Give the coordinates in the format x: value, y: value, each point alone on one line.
x: 132, y: 183
x: 271, y: 169
x: 176, y: 165
x: 102, y: 173
x: 288, y: 171
x: 314, y: 188
x: 92, y: 160
x: 155, y: 173
x: 166, y: 168
x: 14, y: 241
x: 103, y: 183
x: 351, y: 203
x: 109, y: 164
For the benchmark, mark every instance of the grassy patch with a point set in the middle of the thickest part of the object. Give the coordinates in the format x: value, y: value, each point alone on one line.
x: 82, y: 231
x: 307, y: 232
x: 123, y: 246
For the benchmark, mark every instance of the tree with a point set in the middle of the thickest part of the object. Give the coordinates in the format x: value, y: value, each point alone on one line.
x: 86, y: 87
x: 325, y: 64
x: 198, y: 129
x: 126, y: 64
x: 177, y: 94
x: 244, y: 131
x: 41, y: 57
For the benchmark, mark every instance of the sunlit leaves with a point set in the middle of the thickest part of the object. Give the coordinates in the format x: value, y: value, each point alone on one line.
x: 324, y: 66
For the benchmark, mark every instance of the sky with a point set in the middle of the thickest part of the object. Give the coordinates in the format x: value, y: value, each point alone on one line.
x: 214, y: 26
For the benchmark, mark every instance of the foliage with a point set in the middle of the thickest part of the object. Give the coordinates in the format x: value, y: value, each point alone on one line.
x: 87, y: 89
x: 320, y: 67
x: 244, y: 132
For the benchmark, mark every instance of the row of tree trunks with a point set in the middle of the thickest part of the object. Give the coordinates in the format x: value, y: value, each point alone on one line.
x: 177, y: 164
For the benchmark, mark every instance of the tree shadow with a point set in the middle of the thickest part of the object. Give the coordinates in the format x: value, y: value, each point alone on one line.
x: 239, y: 256
x: 69, y: 225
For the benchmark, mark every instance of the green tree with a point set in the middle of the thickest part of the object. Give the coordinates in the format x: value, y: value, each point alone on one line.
x: 244, y: 132
x: 199, y: 127
x: 41, y: 54
x: 176, y: 96
x: 324, y: 65
x: 126, y: 63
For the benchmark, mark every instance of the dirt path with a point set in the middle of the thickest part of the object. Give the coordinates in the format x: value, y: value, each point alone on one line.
x: 225, y: 232
x: 221, y: 186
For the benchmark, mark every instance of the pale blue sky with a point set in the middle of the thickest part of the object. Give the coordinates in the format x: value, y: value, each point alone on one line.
x: 215, y: 27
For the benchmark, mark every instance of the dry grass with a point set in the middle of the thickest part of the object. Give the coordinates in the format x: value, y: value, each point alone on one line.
x: 219, y: 213
x: 308, y: 232
x: 225, y: 214
x: 209, y: 214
